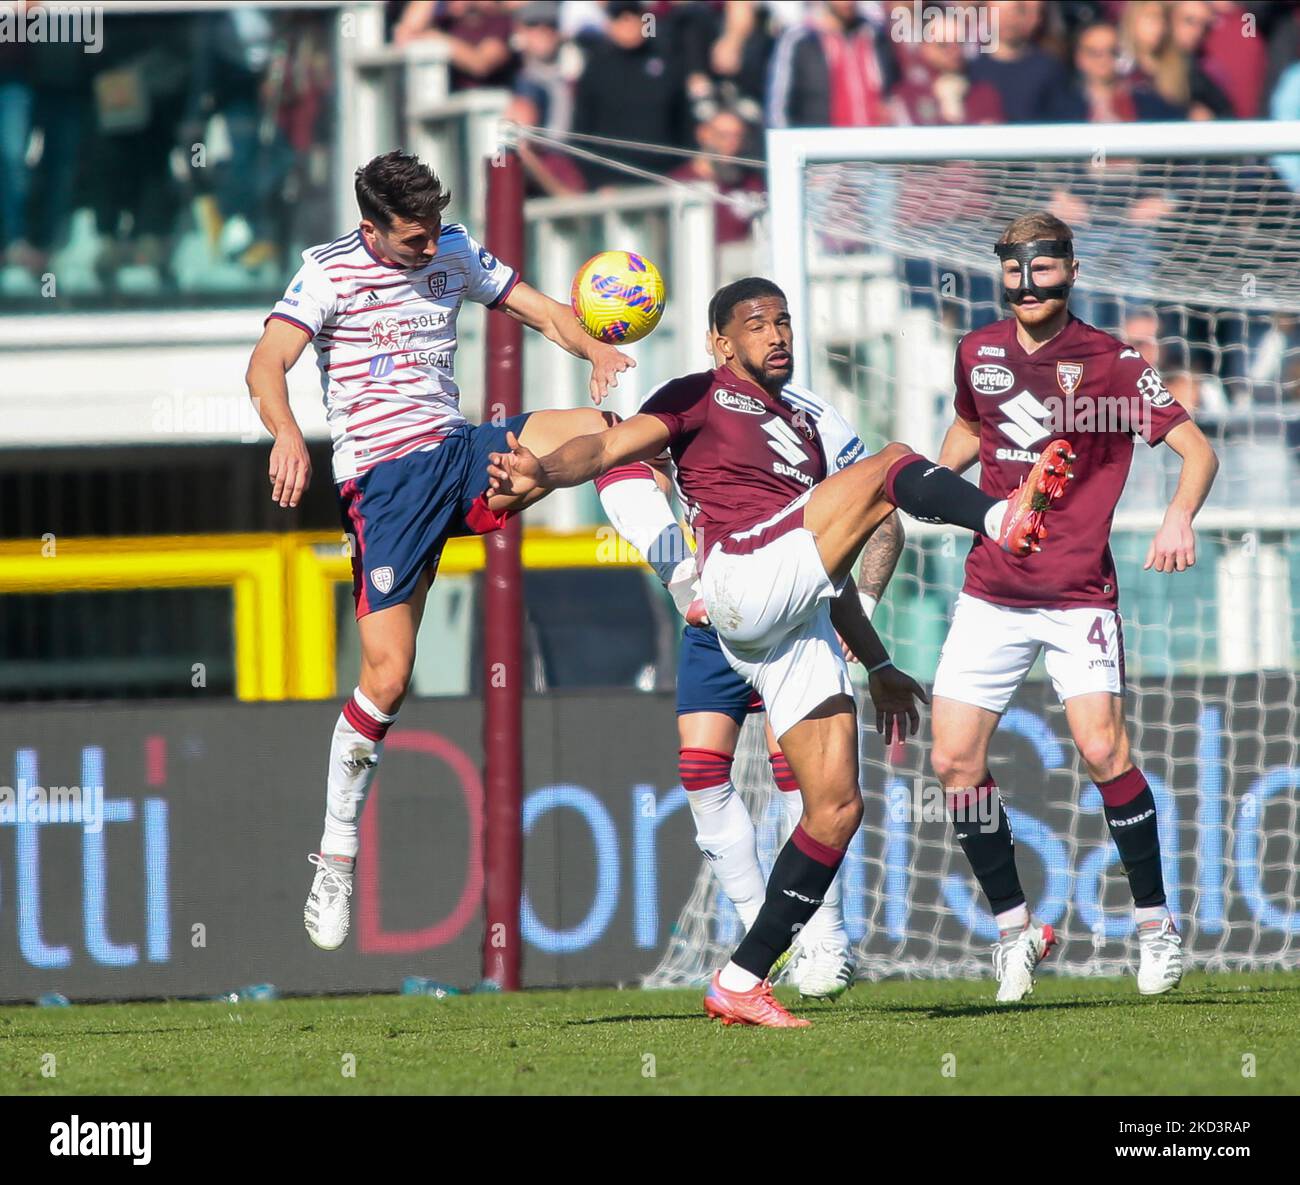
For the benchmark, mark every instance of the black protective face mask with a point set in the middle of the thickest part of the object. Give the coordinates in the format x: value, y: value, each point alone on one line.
x: 1024, y: 254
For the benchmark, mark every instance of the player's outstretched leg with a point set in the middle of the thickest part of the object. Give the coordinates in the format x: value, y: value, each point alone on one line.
x: 1097, y: 723
x: 959, y: 755
x: 846, y: 508
x: 821, y: 964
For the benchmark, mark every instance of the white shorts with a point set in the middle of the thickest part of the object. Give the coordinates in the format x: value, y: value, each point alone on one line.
x: 768, y: 596
x: 990, y: 649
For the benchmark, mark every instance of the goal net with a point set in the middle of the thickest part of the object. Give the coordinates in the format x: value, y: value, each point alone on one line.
x: 1189, y: 249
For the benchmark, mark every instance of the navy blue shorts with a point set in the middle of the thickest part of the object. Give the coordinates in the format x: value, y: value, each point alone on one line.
x: 401, y: 513
x: 705, y: 680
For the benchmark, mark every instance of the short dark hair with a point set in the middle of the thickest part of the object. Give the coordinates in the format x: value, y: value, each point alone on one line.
x: 729, y: 296
x: 399, y: 185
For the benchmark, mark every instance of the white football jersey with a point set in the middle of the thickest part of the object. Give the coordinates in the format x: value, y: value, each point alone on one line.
x: 385, y: 341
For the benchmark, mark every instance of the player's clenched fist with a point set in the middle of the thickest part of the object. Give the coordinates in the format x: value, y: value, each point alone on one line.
x: 290, y: 469
x: 894, y: 695
x: 516, y: 472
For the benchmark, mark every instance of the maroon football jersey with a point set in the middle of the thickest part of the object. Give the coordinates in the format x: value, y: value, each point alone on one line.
x: 1086, y: 387
x: 742, y: 456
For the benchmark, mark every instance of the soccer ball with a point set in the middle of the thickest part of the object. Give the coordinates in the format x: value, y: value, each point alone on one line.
x: 618, y: 296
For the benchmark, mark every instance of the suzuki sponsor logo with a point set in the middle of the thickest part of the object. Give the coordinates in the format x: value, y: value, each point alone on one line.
x: 991, y: 379
x: 783, y: 440
x: 1027, y: 419
x: 735, y: 401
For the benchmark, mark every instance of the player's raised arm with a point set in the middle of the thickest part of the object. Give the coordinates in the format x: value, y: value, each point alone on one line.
x: 557, y: 323
x: 1174, y: 547
x: 280, y: 346
x: 580, y: 460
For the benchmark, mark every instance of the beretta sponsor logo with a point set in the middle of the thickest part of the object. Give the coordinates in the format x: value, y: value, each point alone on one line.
x: 735, y: 401
x: 990, y: 379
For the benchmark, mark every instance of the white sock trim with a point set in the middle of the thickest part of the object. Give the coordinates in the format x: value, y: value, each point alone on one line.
x: 363, y: 702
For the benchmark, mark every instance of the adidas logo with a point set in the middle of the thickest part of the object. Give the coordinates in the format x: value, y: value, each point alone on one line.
x: 371, y: 298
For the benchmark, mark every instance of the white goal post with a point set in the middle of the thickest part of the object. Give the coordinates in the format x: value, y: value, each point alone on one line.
x: 1189, y: 242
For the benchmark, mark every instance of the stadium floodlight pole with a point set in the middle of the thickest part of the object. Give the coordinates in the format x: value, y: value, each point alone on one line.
x: 503, y: 614
x: 790, y: 150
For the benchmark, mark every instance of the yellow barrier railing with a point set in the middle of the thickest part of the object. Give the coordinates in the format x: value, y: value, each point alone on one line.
x: 283, y: 586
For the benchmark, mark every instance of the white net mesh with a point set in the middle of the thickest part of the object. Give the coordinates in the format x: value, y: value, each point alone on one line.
x: 1195, y: 264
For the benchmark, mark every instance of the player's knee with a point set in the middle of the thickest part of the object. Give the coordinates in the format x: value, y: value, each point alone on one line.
x: 895, y: 450
x: 1104, y: 755
x: 386, y: 683
x: 955, y: 766
x: 834, y: 822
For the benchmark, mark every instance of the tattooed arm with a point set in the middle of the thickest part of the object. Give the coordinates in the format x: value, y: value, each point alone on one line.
x: 880, y: 558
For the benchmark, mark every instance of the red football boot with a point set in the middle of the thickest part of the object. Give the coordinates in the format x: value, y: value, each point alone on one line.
x: 1022, y: 525
x: 755, y: 1007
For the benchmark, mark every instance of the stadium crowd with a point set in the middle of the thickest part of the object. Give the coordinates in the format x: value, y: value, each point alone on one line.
x: 195, y: 151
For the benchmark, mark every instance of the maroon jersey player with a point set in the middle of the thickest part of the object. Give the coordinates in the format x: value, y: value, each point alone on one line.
x: 1039, y: 375
x: 776, y: 539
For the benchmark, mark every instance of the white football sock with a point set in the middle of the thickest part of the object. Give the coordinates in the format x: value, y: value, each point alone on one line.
x: 640, y: 512
x: 354, y: 759
x: 829, y: 918
x: 1011, y: 920
x: 725, y: 833
x: 737, y: 979
x: 1142, y: 914
x: 993, y: 519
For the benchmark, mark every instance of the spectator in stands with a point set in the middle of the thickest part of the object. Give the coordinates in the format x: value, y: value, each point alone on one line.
x: 835, y: 70
x: 15, y: 131
x: 935, y: 87
x: 1098, y: 93
x: 738, y: 58
x: 476, y: 34
x: 548, y: 68
x: 631, y: 89
x: 1149, y: 59
x: 551, y: 172
x: 1236, y: 56
x: 1189, y: 21
x: 140, y: 87
x: 725, y: 134
x: 1024, y: 76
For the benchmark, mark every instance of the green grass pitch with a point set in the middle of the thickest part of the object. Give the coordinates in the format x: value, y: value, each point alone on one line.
x: 1074, y: 1036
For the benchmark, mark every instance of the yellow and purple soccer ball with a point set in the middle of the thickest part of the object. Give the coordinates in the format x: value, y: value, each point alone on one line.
x: 618, y: 297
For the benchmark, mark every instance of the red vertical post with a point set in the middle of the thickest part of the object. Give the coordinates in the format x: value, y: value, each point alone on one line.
x: 503, y: 613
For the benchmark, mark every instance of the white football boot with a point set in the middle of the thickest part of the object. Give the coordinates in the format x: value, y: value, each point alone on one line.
x: 328, y: 912
x: 823, y: 967
x: 1160, y: 968
x: 1016, y: 956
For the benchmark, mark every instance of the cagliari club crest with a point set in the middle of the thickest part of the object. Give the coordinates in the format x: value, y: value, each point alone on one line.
x: 1068, y: 376
x: 437, y: 284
